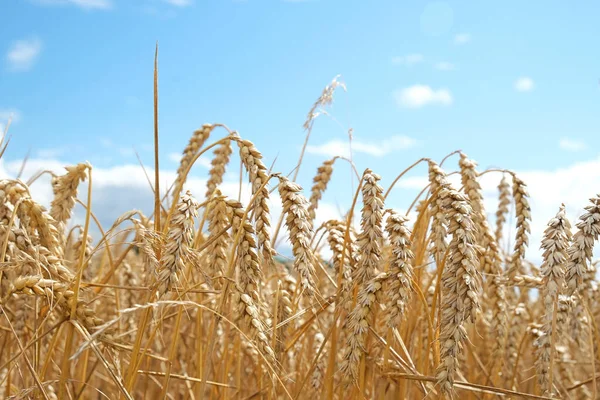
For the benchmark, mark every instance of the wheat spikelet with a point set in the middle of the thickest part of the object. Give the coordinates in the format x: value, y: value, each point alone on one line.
x: 498, y: 326
x: 247, y: 308
x: 252, y: 160
x: 519, y: 316
x: 85, y: 247
x: 400, y: 271
x: 65, y: 193
x: 218, y: 220
x: 460, y: 291
x: 485, y: 239
x: 357, y: 325
x: 284, y: 311
x: 218, y: 166
x: 295, y: 208
x: 318, y: 374
x: 57, y: 293
x: 369, y: 239
x: 581, y: 249
x: 503, y: 203
x: 555, y: 244
x: 523, y: 214
x: 320, y: 182
x: 177, y: 244
x: 148, y: 241
x: 439, y: 224
x: 248, y: 265
x: 324, y: 99
x: 344, y: 257
x: 196, y: 142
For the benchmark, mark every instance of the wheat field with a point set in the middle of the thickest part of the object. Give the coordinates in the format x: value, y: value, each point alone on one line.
x: 194, y: 302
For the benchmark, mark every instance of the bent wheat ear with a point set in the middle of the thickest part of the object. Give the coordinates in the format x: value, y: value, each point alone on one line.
x: 199, y: 137
x: 218, y: 166
x: 502, y: 212
x: 581, y: 250
x: 320, y: 182
x: 65, y: 193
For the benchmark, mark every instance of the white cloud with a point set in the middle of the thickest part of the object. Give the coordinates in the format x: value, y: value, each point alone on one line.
x: 179, y: 3
x: 23, y: 54
x: 339, y: 147
x: 418, y: 96
x: 573, y: 186
x: 571, y: 144
x: 408, y: 60
x: 445, y: 66
x: 524, y: 84
x: 462, y: 38
x: 84, y: 4
x: 124, y: 187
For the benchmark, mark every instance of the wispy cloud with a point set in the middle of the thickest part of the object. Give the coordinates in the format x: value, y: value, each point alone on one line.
x: 524, y: 84
x: 381, y: 148
x: 408, y: 60
x: 445, y: 66
x: 570, y: 144
x: 179, y: 3
x: 84, y: 4
x: 22, y: 54
x: 462, y: 38
x: 418, y: 96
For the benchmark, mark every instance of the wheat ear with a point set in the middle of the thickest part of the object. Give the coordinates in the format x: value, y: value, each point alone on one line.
x: 399, y: 288
x: 218, y: 166
x: 502, y: 211
x: 460, y: 290
x: 178, y: 242
x: 320, y: 182
x: 555, y: 244
x: 295, y: 208
x: 199, y: 137
x: 65, y: 193
x: 252, y: 160
x: 369, y: 239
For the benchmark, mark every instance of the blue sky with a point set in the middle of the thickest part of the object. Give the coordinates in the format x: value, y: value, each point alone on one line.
x: 513, y: 84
